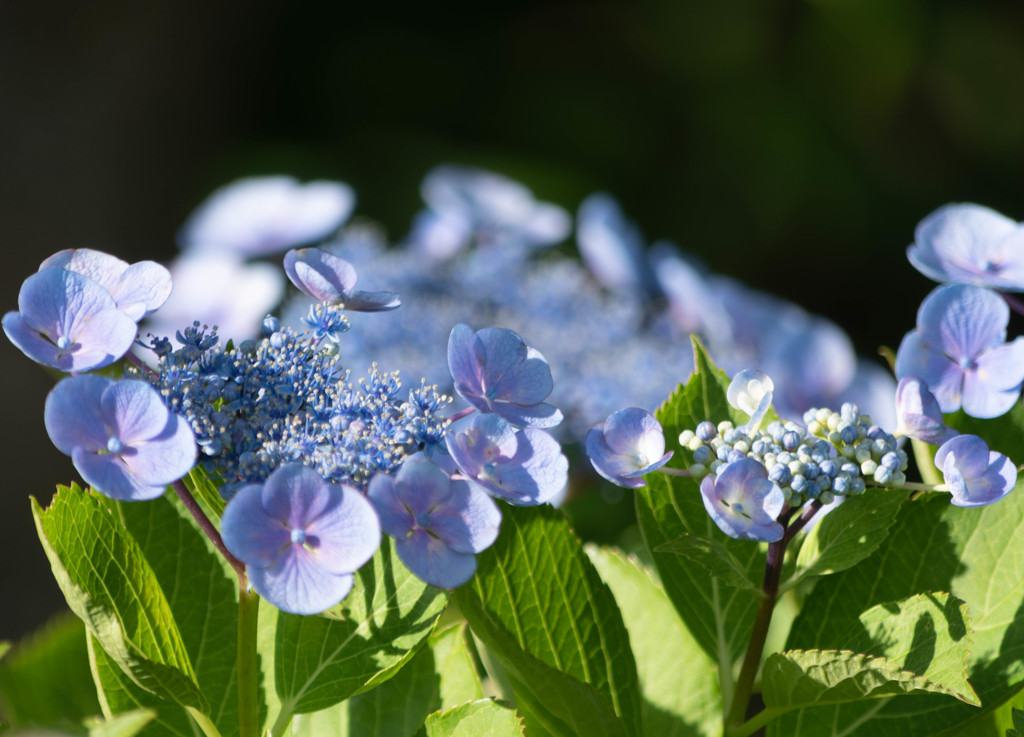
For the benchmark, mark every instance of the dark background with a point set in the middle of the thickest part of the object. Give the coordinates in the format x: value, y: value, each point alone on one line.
x: 791, y: 144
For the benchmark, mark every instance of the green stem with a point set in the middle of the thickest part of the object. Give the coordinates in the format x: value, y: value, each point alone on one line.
x: 203, y: 722
x: 282, y: 722
x: 753, y: 724
x: 925, y: 465
x: 248, y: 669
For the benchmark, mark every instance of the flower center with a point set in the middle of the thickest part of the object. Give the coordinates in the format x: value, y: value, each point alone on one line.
x: 114, y: 445
x: 299, y: 537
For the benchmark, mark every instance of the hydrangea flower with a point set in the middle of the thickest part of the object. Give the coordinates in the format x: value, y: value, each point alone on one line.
x: 329, y: 278
x: 626, y: 446
x: 970, y: 244
x: 959, y: 350
x: 439, y: 524
x: 918, y: 414
x: 975, y: 475
x: 495, y: 371
x: 68, y: 322
x: 138, y: 289
x: 120, y: 436
x: 261, y: 215
x: 467, y: 203
x: 523, y: 467
x: 611, y: 246
x: 743, y: 502
x: 301, y: 538
x: 751, y: 391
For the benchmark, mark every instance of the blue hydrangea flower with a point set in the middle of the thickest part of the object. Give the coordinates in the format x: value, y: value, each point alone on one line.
x: 918, y: 414
x: 120, y: 436
x: 612, y: 246
x: 329, y: 278
x: 975, y: 475
x: 68, y: 322
x: 626, y: 446
x: 743, y: 502
x: 495, y: 371
x: 439, y: 524
x: 751, y: 391
x: 138, y: 289
x: 959, y: 350
x: 261, y: 215
x: 522, y: 467
x: 469, y: 204
x: 970, y: 244
x: 301, y: 538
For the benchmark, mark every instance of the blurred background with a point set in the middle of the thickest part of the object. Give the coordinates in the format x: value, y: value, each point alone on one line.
x: 791, y: 144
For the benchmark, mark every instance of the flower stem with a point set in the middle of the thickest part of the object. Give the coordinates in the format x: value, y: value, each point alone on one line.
x: 1015, y: 304
x: 461, y: 413
x: 770, y: 588
x: 208, y: 529
x: 248, y: 670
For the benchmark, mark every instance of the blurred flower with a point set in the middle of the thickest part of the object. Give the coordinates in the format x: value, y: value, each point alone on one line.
x: 69, y: 322
x: 438, y: 524
x: 975, y: 475
x: 138, y: 289
x: 970, y: 244
x: 959, y: 350
x: 261, y: 215
x: 611, y: 246
x: 751, y: 392
x: 300, y: 537
x: 120, y: 436
x: 626, y: 446
x: 743, y: 502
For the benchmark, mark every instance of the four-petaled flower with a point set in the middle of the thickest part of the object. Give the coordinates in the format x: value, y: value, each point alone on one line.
x: 970, y: 244
x: 439, y: 524
x: 300, y: 537
x: 120, y: 435
x: 959, y: 350
x: 626, y: 446
x: 522, y: 467
x: 743, y: 502
x: 495, y: 371
x: 975, y: 475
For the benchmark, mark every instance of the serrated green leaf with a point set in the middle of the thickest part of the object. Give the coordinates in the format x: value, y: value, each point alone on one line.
x: 484, y: 718
x: 118, y: 694
x: 206, y: 492
x: 801, y: 678
x: 128, y: 724
x: 713, y: 557
x: 398, y: 707
x: 1018, y: 724
x: 45, y: 681
x: 202, y: 591
x: 456, y: 669
x: 677, y: 679
x: 109, y: 584
x: 322, y: 660
x: 976, y: 555
x: 849, y: 533
x: 542, y: 610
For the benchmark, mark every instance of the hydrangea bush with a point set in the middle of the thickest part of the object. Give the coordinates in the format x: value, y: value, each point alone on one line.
x: 416, y: 574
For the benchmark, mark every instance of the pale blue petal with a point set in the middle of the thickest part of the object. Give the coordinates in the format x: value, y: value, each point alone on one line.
x: 253, y: 536
x: 430, y: 560
x: 72, y: 414
x: 296, y: 584
x: 109, y: 475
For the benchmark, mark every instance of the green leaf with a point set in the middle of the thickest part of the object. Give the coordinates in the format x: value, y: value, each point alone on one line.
x: 118, y: 694
x: 320, y: 661
x: 128, y: 724
x: 976, y: 555
x: 205, y: 490
x: 110, y: 586
x: 849, y: 533
x: 45, y: 680
x: 399, y: 706
x: 1018, y: 724
x: 801, y: 678
x: 719, y: 616
x: 484, y: 718
x: 541, y: 609
x: 677, y: 680
x: 456, y: 669
x: 202, y: 591
x: 714, y: 557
